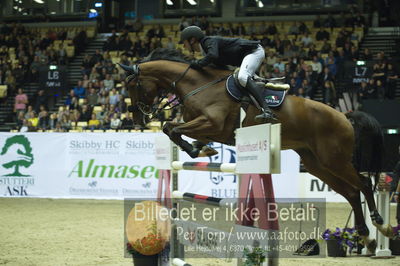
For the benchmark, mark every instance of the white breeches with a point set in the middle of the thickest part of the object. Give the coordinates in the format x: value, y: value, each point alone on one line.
x: 250, y: 64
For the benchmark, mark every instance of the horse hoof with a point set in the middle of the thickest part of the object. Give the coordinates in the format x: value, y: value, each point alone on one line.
x: 371, y: 246
x: 207, y: 152
x: 376, y: 218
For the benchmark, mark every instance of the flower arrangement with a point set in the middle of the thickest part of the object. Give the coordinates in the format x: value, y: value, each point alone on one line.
x: 345, y: 237
x: 255, y: 257
x: 151, y: 244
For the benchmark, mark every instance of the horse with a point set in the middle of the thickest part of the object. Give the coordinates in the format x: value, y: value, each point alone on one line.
x: 333, y: 146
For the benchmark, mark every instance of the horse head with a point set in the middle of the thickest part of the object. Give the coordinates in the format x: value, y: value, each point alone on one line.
x: 142, y: 92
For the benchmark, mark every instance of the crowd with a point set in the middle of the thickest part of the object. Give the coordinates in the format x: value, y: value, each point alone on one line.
x: 24, y: 50
x: 98, y: 99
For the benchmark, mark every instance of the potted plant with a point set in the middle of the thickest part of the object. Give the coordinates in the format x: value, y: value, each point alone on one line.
x: 255, y: 257
x: 339, y: 240
x: 142, y: 250
x: 394, y: 244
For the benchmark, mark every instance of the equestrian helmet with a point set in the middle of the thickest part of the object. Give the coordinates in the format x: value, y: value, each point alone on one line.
x: 190, y: 32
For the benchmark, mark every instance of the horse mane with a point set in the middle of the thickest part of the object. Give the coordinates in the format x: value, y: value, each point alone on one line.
x: 166, y: 54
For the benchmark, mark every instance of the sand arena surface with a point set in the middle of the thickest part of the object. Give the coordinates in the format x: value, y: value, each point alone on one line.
x: 90, y: 232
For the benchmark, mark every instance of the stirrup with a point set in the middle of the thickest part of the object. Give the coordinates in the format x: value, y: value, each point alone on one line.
x: 265, y: 116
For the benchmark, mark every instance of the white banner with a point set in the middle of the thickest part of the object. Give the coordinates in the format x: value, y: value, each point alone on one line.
x: 112, y: 166
x: 78, y: 165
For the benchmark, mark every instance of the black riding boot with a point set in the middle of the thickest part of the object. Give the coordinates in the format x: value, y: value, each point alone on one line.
x: 256, y: 91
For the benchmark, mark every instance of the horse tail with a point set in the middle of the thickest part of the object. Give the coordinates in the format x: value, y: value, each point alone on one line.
x: 369, y: 144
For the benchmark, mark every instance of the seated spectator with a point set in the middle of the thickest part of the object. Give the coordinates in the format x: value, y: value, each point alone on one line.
x: 354, y: 55
x: 317, y: 23
x: 25, y: 126
x: 108, y: 82
x: 10, y: 80
x: 303, y: 29
x: 271, y: 59
x: 86, y: 113
x: 79, y: 90
x: 366, y: 55
x: 127, y: 122
x: 306, y: 40
x: 316, y: 65
x: 272, y: 29
x: 325, y: 76
x: 330, y: 64
x: 183, y: 23
x: 52, y: 121
x: 121, y: 106
x: 391, y: 78
x: 58, y: 128
x: 137, y: 25
x: 102, y: 114
x: 330, y: 22
x: 326, y: 47
x: 43, y: 118
x: 379, y: 72
x: 322, y: 34
x: 114, y: 97
x: 294, y: 29
x: 279, y: 65
x: 380, y: 89
x: 329, y: 93
x: 40, y: 99
x: 369, y: 91
x: 340, y: 40
x: 33, y: 120
x: 86, y: 65
x: 115, y: 122
x: 203, y: 23
x: 74, y: 117
x: 159, y: 32
x: 65, y: 123
x: 92, y: 97
x: 20, y: 119
x: 359, y: 20
x: 93, y: 123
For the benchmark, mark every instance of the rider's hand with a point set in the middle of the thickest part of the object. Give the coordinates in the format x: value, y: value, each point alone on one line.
x: 396, y: 198
x: 195, y: 65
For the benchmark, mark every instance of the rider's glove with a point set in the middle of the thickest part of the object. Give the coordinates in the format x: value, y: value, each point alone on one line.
x: 195, y: 65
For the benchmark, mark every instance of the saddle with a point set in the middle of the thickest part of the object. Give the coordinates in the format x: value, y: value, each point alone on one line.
x: 274, y: 93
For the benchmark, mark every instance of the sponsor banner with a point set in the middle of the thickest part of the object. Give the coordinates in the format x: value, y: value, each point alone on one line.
x: 312, y: 187
x: 113, y: 166
x: 87, y: 165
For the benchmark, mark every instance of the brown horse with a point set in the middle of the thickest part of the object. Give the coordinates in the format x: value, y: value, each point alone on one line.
x: 324, y: 138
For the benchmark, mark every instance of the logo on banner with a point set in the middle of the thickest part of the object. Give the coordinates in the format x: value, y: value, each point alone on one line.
x: 223, y: 152
x: 16, y: 154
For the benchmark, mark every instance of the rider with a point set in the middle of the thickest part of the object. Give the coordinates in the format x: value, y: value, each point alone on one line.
x: 230, y: 51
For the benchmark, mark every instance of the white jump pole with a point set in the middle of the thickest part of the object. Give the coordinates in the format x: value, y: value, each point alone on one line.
x: 383, y: 206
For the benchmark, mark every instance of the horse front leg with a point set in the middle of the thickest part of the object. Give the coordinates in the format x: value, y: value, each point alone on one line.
x: 193, y: 129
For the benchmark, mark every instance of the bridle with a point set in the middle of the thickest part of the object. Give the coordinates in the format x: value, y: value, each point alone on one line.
x: 148, y: 111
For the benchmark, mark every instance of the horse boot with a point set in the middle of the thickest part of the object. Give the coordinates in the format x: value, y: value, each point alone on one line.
x: 256, y: 91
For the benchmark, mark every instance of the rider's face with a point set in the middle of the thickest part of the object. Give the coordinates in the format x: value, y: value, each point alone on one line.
x: 192, y: 45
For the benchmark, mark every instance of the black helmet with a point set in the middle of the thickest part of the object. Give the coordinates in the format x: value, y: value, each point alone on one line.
x: 190, y: 32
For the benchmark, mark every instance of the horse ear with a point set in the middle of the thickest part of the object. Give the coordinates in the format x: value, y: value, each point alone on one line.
x: 128, y: 69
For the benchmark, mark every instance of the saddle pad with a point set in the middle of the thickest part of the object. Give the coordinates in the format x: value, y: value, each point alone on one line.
x: 272, y: 97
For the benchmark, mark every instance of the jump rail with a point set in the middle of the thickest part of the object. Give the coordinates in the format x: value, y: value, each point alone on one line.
x: 254, y: 178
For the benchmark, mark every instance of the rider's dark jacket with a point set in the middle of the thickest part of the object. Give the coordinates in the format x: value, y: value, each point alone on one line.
x: 225, y: 51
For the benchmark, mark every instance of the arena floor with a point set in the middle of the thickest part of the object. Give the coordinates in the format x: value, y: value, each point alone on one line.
x: 90, y: 232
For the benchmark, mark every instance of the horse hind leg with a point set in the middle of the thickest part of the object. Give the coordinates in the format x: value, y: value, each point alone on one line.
x: 364, y: 184
x: 351, y: 194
